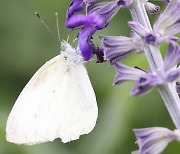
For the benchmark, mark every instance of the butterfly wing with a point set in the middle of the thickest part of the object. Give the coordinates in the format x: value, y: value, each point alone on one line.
x: 58, y: 102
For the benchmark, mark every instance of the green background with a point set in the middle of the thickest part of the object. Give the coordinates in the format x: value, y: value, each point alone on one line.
x: 25, y: 45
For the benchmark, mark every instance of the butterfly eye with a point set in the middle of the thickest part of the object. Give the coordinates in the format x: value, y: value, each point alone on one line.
x: 63, y: 47
x: 65, y: 57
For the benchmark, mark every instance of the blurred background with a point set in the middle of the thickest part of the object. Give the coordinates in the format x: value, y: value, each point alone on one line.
x: 25, y: 45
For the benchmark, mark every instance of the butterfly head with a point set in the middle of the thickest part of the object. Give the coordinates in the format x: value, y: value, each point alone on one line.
x: 65, y: 46
x: 70, y: 53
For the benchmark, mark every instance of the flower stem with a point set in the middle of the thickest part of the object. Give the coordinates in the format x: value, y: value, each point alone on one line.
x: 153, y: 55
x: 172, y: 102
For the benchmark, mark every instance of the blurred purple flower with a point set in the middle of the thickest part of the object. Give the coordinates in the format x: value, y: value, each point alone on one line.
x: 155, y: 139
x: 168, y: 23
x: 165, y: 28
x: 150, y: 36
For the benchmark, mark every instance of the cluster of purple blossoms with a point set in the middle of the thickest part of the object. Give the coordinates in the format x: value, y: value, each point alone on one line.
x: 164, y: 73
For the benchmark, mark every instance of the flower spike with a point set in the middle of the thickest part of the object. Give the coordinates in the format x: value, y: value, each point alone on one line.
x: 163, y: 73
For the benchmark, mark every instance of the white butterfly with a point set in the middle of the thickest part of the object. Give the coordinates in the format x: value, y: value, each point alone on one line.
x: 57, y: 102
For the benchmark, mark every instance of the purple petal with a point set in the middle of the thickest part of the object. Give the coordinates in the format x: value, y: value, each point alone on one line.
x: 149, y: 36
x: 85, y: 44
x: 151, y: 8
x: 125, y: 73
x: 173, y: 29
x: 138, y: 28
x: 75, y: 6
x: 95, y: 6
x: 118, y: 47
x: 173, y: 75
x: 91, y: 19
x: 155, y: 139
x: 172, y: 57
x: 91, y: 1
x: 167, y: 39
x: 108, y: 11
x: 103, y: 11
x: 145, y: 83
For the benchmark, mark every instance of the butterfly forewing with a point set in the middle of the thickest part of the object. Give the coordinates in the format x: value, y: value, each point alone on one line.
x: 58, y: 102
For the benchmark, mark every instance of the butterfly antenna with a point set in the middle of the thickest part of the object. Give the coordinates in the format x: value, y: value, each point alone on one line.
x: 74, y: 39
x: 57, y: 24
x: 38, y: 15
x: 67, y: 40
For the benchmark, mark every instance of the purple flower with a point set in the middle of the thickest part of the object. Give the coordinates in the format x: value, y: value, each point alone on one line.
x: 98, y: 16
x: 118, y: 47
x: 165, y: 28
x: 145, y: 83
x: 144, y: 80
x: 149, y: 36
x: 155, y: 139
x: 125, y: 73
x: 168, y: 23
